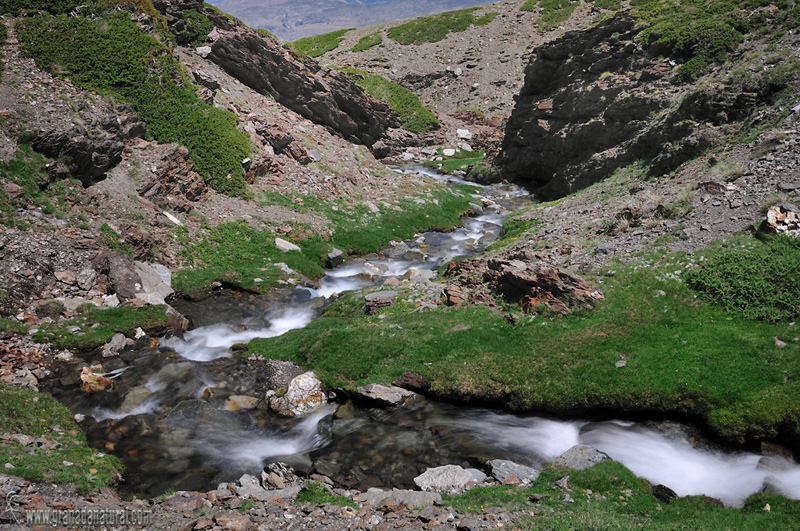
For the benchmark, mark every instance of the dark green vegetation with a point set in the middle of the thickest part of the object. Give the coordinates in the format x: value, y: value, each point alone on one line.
x: 198, y: 26
x: 109, y: 53
x: 27, y: 170
x: 554, y: 12
x: 319, y: 44
x: 413, y: 115
x: 98, y: 326
x: 683, y: 356
x: 459, y: 161
x: 609, y: 496
x: 698, y: 33
x: 367, y: 41
x: 64, y: 457
x: 434, y: 28
x: 14, y: 7
x: 314, y: 493
x: 757, y: 281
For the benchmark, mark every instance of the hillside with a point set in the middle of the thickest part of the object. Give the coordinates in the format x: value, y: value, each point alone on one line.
x: 165, y: 155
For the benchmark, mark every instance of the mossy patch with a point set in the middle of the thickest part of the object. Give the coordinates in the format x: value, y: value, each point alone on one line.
x: 413, y: 116
x: 367, y: 41
x: 63, y: 456
x: 317, y: 45
x: 434, y: 28
x: 96, y: 326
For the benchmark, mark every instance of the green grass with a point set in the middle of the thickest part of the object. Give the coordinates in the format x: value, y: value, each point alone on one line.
x: 367, y: 41
x: 314, y: 493
x: 70, y: 461
x: 238, y: 253
x: 529, y: 5
x: 112, y: 55
x: 98, y: 326
x: 609, y: 496
x: 405, y: 104
x: 8, y: 328
x: 685, y: 357
x: 485, y: 19
x: 317, y: 45
x: 434, y: 28
x: 459, y: 161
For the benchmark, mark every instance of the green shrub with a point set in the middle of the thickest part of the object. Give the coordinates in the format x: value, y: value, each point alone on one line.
x: 413, y: 115
x: 432, y: 28
x: 367, y: 41
x: 529, y: 5
x: 611, y: 5
x: 112, y: 55
x: 758, y: 281
x: 198, y: 26
x: 319, y: 44
x: 56, y: 7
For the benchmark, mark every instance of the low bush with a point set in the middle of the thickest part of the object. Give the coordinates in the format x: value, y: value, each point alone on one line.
x: 757, y: 281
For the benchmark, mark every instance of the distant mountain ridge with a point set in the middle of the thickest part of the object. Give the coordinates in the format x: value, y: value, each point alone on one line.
x: 294, y: 19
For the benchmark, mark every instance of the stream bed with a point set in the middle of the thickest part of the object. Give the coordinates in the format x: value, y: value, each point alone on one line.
x: 186, y: 415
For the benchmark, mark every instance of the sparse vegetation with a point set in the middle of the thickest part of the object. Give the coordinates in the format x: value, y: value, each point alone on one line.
x: 367, y: 41
x: 314, y: 493
x: 554, y: 12
x: 319, y: 44
x: 459, y: 160
x: 413, y: 115
x: 197, y: 27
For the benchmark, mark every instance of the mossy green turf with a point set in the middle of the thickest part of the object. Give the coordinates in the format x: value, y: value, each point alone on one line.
x: 98, y: 326
x: 413, y: 115
x: 111, y: 54
x: 434, y: 28
x: 367, y: 41
x: 36, y: 414
x: 684, y: 356
x: 319, y: 44
x: 237, y: 253
x: 619, y: 500
x: 314, y: 493
x: 458, y: 161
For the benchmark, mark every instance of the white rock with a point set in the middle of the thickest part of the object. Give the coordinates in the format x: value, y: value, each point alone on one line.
x: 464, y: 134
x: 285, y: 246
x: 448, y: 152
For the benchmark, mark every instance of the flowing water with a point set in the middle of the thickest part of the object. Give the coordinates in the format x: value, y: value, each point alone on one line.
x: 172, y: 422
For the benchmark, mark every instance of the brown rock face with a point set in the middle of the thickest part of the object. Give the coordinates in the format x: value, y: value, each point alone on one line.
x: 176, y: 181
x: 595, y: 100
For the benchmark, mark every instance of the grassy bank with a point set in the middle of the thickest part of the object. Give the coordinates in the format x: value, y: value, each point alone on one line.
x: 609, y: 496
x: 683, y: 356
x: 61, y: 455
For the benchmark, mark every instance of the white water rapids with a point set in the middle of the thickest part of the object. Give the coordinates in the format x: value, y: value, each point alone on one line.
x: 662, y: 458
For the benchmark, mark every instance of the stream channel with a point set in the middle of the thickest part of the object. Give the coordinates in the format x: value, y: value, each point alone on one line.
x: 172, y: 422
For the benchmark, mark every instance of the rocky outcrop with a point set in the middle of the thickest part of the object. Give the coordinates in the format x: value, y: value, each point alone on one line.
x: 322, y: 95
x: 782, y: 218
x: 521, y: 278
x: 88, y: 153
x: 304, y: 394
x: 596, y: 100
x: 176, y: 182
